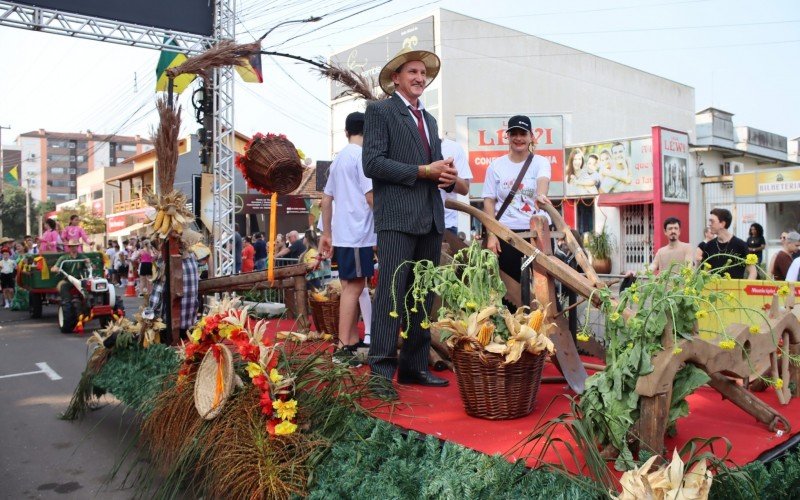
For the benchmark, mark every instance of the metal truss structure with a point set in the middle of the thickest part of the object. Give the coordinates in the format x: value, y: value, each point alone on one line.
x: 102, y: 30
x: 224, y: 144
x: 105, y: 30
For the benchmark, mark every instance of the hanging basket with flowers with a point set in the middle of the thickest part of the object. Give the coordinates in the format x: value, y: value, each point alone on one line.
x: 271, y: 164
x: 498, y: 356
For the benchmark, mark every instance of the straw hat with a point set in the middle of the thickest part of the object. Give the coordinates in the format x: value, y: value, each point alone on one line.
x: 190, y: 237
x: 205, y: 386
x: 74, y: 243
x: 5, y: 240
x: 429, y: 59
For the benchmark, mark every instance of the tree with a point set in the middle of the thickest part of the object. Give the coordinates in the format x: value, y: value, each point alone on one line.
x: 90, y: 222
x: 12, y: 210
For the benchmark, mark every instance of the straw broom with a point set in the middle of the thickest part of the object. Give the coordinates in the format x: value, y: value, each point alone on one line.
x: 225, y: 53
x: 357, y: 84
x: 166, y: 144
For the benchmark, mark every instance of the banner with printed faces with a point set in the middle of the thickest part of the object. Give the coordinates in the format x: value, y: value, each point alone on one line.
x: 623, y: 166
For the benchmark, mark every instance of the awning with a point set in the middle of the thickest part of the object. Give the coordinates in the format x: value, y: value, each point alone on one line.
x: 125, y: 231
x: 620, y: 199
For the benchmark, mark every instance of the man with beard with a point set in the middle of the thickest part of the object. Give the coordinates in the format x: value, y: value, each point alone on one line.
x: 675, y: 252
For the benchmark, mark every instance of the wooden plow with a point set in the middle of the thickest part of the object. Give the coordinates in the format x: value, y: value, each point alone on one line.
x: 729, y: 369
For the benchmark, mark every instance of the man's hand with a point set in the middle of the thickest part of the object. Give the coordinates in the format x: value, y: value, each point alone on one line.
x: 441, y: 171
x: 54, y: 269
x: 493, y: 244
x: 325, y: 245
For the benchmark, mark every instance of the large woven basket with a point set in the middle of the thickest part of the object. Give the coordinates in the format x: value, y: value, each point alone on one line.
x: 326, y: 316
x: 272, y: 164
x: 491, y: 390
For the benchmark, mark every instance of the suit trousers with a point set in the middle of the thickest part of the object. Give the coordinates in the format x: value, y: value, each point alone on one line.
x: 397, y: 252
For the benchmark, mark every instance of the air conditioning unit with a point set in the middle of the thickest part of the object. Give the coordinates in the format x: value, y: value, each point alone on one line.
x: 736, y: 167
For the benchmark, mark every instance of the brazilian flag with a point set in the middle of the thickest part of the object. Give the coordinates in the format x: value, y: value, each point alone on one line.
x: 11, y: 176
x: 170, y: 59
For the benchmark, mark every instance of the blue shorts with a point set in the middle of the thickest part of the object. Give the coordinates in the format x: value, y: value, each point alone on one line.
x: 354, y: 262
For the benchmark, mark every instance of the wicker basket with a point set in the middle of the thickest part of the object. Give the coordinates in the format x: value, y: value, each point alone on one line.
x: 272, y: 164
x: 326, y: 316
x: 491, y: 390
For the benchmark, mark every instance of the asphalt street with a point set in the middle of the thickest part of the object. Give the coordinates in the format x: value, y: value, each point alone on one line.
x: 40, y: 455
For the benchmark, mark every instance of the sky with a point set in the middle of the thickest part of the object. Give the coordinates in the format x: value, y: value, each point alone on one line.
x: 739, y: 56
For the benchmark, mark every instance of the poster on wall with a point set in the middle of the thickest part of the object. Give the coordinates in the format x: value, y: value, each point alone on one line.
x: 610, y: 167
x: 487, y: 141
x: 674, y: 166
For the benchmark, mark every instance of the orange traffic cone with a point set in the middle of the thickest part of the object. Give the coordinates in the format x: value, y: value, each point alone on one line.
x: 130, y: 290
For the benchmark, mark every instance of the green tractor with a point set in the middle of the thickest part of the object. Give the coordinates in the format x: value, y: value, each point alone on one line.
x: 91, y: 296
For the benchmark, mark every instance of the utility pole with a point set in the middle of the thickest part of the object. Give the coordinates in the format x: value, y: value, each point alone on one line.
x: 2, y: 172
x: 28, y: 182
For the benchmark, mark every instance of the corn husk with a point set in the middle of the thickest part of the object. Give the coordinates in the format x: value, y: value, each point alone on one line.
x: 670, y: 482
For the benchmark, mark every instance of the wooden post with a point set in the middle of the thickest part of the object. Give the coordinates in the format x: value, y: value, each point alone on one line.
x: 745, y: 400
x: 653, y: 419
x: 175, y: 278
x: 301, y: 302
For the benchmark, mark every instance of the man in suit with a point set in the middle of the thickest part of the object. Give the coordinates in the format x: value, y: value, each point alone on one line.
x: 402, y: 155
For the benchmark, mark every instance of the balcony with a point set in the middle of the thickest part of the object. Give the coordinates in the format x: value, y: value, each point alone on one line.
x: 133, y: 204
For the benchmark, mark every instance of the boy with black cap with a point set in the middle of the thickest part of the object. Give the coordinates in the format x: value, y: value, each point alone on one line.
x: 348, y: 233
x: 525, y: 198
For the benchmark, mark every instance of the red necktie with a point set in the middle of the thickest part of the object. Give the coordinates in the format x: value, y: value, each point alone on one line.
x: 421, y: 127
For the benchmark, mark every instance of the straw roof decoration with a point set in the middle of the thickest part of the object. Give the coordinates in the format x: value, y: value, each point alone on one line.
x: 166, y: 144
x: 225, y: 53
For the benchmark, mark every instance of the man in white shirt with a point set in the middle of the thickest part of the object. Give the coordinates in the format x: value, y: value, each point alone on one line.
x: 451, y: 149
x: 348, y: 233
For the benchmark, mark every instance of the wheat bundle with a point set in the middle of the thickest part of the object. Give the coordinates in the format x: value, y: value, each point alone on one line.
x: 166, y: 144
x: 225, y: 53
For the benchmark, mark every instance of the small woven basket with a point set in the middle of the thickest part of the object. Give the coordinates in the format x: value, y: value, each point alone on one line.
x: 325, y: 314
x: 494, y: 391
x: 205, y: 386
x: 272, y: 164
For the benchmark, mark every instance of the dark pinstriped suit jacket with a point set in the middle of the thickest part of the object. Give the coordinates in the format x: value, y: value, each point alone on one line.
x: 392, y: 153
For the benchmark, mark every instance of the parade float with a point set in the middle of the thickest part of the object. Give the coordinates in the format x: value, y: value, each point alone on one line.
x: 250, y: 407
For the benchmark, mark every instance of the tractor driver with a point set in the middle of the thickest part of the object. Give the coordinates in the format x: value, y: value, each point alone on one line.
x: 72, y: 268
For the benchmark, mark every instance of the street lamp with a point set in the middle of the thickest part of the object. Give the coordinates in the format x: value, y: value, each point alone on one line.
x: 312, y: 19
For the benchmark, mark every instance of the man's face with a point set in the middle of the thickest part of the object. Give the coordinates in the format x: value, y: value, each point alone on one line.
x: 411, y: 79
x: 673, y: 232
x: 72, y: 250
x: 714, y: 224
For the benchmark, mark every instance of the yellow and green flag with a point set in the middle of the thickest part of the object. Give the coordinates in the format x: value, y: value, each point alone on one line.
x: 170, y: 59
x: 11, y: 175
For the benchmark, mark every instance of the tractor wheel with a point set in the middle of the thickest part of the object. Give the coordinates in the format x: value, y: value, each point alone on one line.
x: 67, y: 317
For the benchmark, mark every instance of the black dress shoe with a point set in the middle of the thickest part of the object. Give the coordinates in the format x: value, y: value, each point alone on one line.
x: 421, y: 378
x: 381, y: 388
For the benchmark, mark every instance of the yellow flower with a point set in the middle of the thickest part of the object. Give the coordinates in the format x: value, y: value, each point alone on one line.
x: 274, y: 376
x: 630, y: 345
x: 225, y: 330
x: 727, y: 344
x: 393, y: 314
x: 731, y: 297
x: 583, y: 337
x: 783, y: 291
x: 635, y: 298
x: 472, y: 305
x: 687, y: 290
x: 751, y: 259
x: 197, y: 333
x: 779, y: 383
x: 706, y: 266
x: 702, y: 313
x: 754, y: 329
x: 254, y: 369
x: 614, y: 316
x: 413, y: 309
x: 677, y: 350
x: 404, y: 334
x: 686, y: 271
x: 285, y: 428
x: 727, y: 276
x: 425, y: 324
x: 286, y: 410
